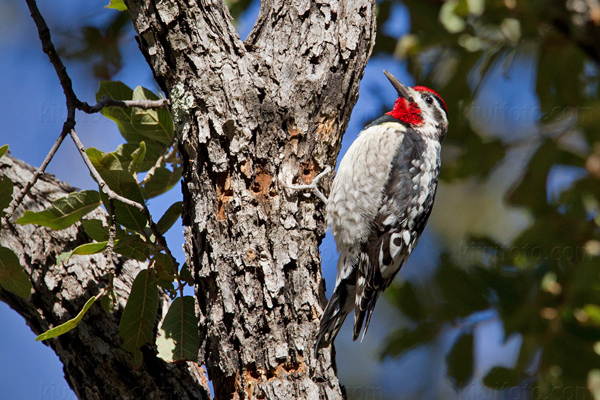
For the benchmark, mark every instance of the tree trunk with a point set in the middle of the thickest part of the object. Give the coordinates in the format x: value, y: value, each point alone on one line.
x: 253, y: 116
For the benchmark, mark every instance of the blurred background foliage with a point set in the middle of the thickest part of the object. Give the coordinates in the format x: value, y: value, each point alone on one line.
x: 521, y: 82
x: 501, y: 299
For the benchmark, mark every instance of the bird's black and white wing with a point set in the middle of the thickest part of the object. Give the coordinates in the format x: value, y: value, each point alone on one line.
x: 406, y: 205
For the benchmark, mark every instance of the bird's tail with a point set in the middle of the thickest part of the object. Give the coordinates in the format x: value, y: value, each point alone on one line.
x: 339, y: 306
x: 365, y: 304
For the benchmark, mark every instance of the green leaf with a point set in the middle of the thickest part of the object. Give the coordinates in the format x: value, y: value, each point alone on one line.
x: 137, y: 323
x: 157, y: 124
x: 89, y: 248
x: 133, y: 246
x: 136, y: 124
x: 170, y: 217
x: 65, y: 211
x: 63, y: 257
x: 6, y: 193
x: 67, y: 326
x: 164, y: 263
x: 118, y: 5
x: 138, y: 358
x: 122, y: 183
x: 162, y: 181
x: 137, y: 158
x: 404, y: 340
x: 460, y: 361
x: 165, y: 272
x: 405, y: 299
x: 109, y: 301
x: 83, y: 250
x: 103, y: 161
x: 95, y: 229
x: 462, y: 294
x: 502, y: 378
x: 178, y: 336
x: 186, y: 275
x: 153, y: 152
x: 3, y: 150
x: 12, y: 276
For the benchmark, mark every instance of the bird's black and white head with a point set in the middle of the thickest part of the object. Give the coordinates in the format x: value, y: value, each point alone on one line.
x: 420, y: 108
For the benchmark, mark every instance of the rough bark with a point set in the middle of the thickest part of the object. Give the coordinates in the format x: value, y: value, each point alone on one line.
x: 254, y: 115
x: 94, y: 364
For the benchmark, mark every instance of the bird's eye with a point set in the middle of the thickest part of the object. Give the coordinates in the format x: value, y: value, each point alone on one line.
x: 428, y: 100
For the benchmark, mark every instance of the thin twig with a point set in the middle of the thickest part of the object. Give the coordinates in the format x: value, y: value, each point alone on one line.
x: 106, y: 101
x: 112, y: 231
x: 74, y: 103
x: 96, y: 175
x: 71, y: 99
x: 50, y: 50
x: 18, y: 199
x: 115, y: 196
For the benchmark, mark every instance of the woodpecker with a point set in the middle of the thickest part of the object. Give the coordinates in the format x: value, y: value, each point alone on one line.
x: 380, y: 201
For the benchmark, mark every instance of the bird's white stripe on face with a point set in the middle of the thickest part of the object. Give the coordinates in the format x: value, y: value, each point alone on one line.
x: 431, y: 126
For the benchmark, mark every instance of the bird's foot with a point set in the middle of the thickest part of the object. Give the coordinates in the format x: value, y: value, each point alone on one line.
x: 313, y: 185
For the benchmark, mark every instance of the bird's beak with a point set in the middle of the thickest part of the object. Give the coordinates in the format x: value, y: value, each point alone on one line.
x: 400, y: 88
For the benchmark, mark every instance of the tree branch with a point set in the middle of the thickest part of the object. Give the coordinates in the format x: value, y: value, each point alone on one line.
x: 50, y: 50
x: 114, y: 196
x: 74, y: 103
x: 94, y: 364
x: 106, y: 101
x: 17, y: 200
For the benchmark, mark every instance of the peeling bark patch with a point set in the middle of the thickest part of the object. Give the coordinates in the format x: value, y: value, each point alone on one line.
x: 229, y: 129
x: 293, y: 132
x: 246, y: 168
x: 225, y: 193
x: 294, y: 135
x: 309, y: 171
x: 254, y: 378
x: 260, y: 186
x: 251, y: 254
x: 326, y: 127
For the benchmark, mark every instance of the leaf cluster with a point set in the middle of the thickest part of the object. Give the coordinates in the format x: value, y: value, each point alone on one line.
x: 143, y: 167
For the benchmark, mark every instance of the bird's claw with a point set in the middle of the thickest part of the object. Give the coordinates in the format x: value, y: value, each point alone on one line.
x: 313, y: 185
